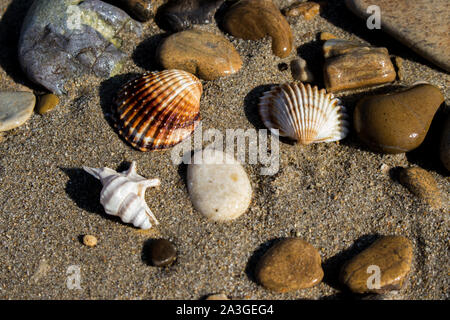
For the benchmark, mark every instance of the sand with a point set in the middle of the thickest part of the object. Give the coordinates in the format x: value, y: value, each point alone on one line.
x: 335, y: 196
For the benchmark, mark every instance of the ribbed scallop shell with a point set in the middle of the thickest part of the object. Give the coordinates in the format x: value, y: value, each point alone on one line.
x: 158, y: 109
x: 303, y: 113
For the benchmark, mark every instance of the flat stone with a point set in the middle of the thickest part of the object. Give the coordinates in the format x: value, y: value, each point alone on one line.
x: 422, y: 184
x: 218, y: 185
x: 324, y: 36
x: 202, y: 53
x: 389, y: 257
x: 420, y: 24
x: 300, y: 70
x: 350, y: 65
x: 445, y: 145
x: 397, y: 122
x: 47, y: 103
x: 256, y: 19
x: 162, y: 253
x: 63, y: 40
x: 182, y: 14
x: 291, y: 264
x: 306, y: 9
x: 15, y: 109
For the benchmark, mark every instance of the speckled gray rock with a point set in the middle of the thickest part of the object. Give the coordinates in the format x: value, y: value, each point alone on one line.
x: 422, y: 25
x: 445, y: 145
x: 218, y: 185
x: 64, y: 39
x: 15, y: 109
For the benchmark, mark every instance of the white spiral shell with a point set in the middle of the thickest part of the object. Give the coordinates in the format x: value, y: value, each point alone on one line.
x: 123, y: 195
x: 303, y: 113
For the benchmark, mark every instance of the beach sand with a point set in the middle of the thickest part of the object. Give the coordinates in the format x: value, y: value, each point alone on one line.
x: 335, y: 196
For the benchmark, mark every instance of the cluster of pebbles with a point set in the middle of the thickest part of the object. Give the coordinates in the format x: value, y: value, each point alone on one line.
x: 150, y: 117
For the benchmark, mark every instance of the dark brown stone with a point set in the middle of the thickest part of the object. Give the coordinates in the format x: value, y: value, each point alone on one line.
x: 162, y: 253
x: 397, y: 122
x: 141, y: 10
x: 255, y: 19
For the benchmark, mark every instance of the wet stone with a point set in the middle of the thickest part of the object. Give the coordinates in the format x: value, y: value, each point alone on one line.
x: 202, y: 53
x: 47, y: 103
x: 218, y: 185
x: 422, y: 184
x: 63, y: 40
x: 162, y: 253
x: 390, y: 257
x: 417, y: 24
x: 291, y: 264
x: 306, y: 9
x: 180, y: 15
x: 300, y: 71
x: 15, y: 109
x: 350, y: 65
x: 397, y: 122
x: 255, y: 19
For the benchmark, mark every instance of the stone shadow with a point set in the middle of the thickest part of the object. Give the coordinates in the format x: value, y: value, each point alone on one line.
x: 144, y: 55
x: 256, y: 256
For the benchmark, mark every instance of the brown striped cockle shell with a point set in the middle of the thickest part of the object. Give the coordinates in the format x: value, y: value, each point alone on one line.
x: 158, y: 109
x: 303, y: 113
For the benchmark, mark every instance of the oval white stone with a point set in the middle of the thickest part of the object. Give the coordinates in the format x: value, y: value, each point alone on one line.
x: 218, y: 185
x: 15, y: 109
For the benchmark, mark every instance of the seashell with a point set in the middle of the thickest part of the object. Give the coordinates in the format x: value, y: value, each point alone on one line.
x: 123, y: 195
x: 158, y: 109
x: 303, y: 113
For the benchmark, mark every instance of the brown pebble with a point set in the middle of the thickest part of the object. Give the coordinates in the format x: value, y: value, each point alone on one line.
x: 389, y: 257
x: 162, y: 253
x: 422, y: 184
x: 306, y: 9
x: 47, y: 103
x: 300, y: 70
x: 89, y: 240
x: 219, y: 296
x: 324, y: 36
x: 291, y: 264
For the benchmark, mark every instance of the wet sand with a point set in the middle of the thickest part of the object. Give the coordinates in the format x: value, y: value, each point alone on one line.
x: 335, y: 196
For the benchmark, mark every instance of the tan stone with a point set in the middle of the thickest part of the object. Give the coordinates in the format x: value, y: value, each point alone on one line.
x: 219, y: 296
x: 291, y: 264
x: 89, y: 240
x: 306, y: 9
x: 327, y: 36
x: 391, y: 254
x: 422, y: 184
x: 204, y: 54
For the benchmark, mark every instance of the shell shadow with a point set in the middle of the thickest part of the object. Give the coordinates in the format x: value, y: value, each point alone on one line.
x: 332, y: 266
x: 337, y: 13
x: 251, y: 105
x: 144, y: 55
x: 256, y: 256
x: 107, y: 91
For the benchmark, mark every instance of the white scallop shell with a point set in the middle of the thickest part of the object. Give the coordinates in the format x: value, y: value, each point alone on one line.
x: 123, y: 195
x: 303, y: 113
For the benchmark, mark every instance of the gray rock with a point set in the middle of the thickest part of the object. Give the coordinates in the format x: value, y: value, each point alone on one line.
x: 64, y: 39
x: 15, y: 109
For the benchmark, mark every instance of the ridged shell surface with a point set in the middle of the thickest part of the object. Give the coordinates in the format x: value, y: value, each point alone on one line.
x: 158, y: 109
x: 303, y: 113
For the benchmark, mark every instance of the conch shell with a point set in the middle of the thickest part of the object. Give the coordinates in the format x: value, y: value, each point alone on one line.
x: 123, y: 195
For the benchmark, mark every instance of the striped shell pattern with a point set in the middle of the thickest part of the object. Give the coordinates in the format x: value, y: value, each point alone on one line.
x: 158, y: 109
x: 303, y: 113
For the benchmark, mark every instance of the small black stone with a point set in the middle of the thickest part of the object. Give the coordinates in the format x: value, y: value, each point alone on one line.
x: 162, y: 252
x: 282, y: 66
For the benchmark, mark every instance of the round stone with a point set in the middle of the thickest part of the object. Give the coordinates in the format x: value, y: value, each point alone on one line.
x: 291, y: 264
x: 219, y: 296
x: 397, y: 122
x: 162, y: 253
x: 89, y: 240
x: 422, y: 184
x: 15, y: 109
x: 47, y: 103
x: 202, y: 53
x: 218, y: 185
x: 380, y: 268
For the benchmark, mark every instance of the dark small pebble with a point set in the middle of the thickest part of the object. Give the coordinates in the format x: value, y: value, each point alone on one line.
x: 282, y: 66
x: 162, y: 253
